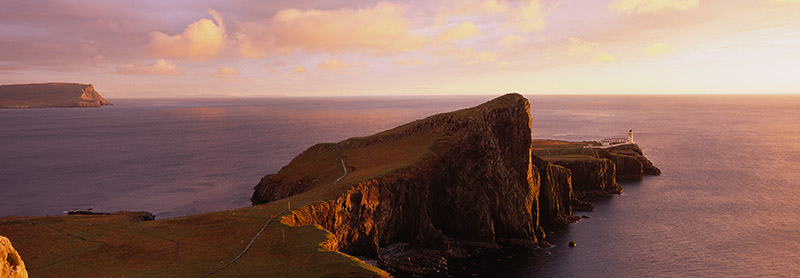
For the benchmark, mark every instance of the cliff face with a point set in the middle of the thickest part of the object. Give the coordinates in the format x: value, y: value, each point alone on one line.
x: 470, y: 175
x: 50, y: 95
x: 11, y: 265
x: 473, y: 181
x: 592, y: 177
x: 596, y: 171
x: 555, y: 195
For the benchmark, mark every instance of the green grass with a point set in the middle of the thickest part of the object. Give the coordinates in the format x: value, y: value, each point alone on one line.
x: 188, y: 246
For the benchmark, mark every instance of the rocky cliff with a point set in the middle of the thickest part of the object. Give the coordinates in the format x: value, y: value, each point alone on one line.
x: 45, y: 95
x: 556, y: 194
x: 471, y: 175
x: 596, y: 171
x: 11, y: 265
x: 465, y: 175
x: 592, y: 177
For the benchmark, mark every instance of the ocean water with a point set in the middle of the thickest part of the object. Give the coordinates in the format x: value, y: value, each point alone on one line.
x: 726, y: 205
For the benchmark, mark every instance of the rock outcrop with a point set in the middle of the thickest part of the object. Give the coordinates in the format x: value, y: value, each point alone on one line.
x: 46, y: 95
x: 592, y: 177
x: 596, y: 172
x: 474, y: 182
x: 555, y: 195
x: 11, y: 265
x: 467, y: 176
x: 623, y: 157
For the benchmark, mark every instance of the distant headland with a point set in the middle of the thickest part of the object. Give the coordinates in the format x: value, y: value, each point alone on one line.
x: 48, y: 95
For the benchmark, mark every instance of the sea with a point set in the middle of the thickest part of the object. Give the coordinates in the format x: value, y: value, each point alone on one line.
x: 726, y: 205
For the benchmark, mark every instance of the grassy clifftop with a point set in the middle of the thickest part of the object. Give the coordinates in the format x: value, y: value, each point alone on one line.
x: 386, y: 171
x: 46, y: 95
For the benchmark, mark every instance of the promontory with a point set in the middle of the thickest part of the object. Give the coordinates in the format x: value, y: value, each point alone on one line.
x: 46, y: 95
x: 407, y: 201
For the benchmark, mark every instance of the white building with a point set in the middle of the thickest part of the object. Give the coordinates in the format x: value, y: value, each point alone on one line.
x: 609, y: 142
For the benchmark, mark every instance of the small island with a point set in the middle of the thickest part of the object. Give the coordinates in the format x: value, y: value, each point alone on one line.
x: 49, y: 95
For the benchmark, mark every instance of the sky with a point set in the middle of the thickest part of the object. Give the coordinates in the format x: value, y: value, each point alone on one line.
x: 202, y: 48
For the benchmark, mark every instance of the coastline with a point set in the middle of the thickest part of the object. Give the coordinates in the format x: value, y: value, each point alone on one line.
x: 203, y: 218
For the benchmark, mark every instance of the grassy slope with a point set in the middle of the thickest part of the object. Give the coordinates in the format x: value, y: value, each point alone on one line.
x: 552, y: 150
x: 112, y: 246
x: 42, y: 95
x: 81, y: 246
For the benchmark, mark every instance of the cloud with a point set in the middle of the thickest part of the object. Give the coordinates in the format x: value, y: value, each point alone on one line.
x: 657, y: 49
x: 512, y: 42
x: 503, y: 64
x: 652, y: 6
x: 409, y: 61
x: 379, y: 29
x: 333, y: 64
x: 577, y: 47
x: 161, y: 67
x: 604, y: 57
x: 472, y: 7
x: 784, y: 2
x: 462, y: 31
x: 299, y: 69
x: 470, y: 56
x: 225, y: 73
x: 201, y: 40
x: 529, y: 17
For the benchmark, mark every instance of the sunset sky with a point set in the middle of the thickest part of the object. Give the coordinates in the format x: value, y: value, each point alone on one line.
x: 308, y: 47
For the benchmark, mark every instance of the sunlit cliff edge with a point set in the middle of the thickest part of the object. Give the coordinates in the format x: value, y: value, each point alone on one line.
x: 46, y: 95
x: 11, y: 265
x: 471, y: 176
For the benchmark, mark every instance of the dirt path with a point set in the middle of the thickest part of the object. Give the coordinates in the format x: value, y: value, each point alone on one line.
x: 253, y: 240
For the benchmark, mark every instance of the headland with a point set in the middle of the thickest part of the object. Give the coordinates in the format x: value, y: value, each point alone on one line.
x: 408, y: 200
x: 48, y: 95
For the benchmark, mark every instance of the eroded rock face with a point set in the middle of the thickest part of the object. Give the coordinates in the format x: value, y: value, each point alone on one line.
x: 648, y: 169
x: 11, y: 265
x: 556, y: 194
x: 50, y: 95
x: 592, y: 177
x: 477, y: 183
x: 626, y: 167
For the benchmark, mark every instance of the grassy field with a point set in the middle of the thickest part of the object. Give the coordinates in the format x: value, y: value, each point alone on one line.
x: 189, y: 246
x: 114, y: 246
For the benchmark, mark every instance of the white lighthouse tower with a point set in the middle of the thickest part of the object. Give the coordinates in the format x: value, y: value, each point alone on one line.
x: 630, y: 136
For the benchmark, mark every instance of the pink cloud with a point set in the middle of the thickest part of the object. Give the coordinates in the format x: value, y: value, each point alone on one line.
x: 161, y: 67
x: 382, y: 28
x: 201, y: 40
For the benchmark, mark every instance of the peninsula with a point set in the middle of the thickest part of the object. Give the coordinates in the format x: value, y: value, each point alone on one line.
x: 46, y: 95
x: 407, y: 200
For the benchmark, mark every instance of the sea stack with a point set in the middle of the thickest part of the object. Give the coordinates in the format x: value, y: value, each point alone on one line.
x: 47, y: 95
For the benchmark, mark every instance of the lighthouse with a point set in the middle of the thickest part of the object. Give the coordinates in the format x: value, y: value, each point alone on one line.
x: 630, y: 136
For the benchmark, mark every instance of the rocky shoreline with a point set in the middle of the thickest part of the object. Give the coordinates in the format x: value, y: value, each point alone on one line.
x: 439, y: 196
x: 483, y: 185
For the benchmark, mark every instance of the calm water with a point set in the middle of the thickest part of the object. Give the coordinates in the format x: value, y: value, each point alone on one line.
x: 727, y: 204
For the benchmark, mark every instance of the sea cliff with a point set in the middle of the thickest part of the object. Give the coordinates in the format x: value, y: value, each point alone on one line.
x: 412, y: 200
x: 46, y: 95
x: 465, y: 175
x: 472, y: 175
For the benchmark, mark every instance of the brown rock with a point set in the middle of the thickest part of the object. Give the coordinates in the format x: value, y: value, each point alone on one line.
x: 50, y: 95
x: 11, y: 265
x: 474, y: 182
